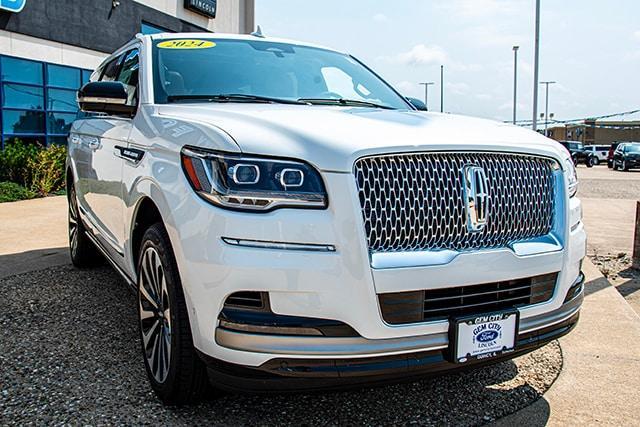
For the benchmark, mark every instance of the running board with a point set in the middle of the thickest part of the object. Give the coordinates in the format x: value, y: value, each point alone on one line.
x: 131, y: 284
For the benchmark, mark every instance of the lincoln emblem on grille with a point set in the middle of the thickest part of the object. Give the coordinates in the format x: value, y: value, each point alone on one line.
x: 476, y: 197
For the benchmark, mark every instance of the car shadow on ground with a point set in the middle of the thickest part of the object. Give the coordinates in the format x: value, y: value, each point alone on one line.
x: 71, y: 354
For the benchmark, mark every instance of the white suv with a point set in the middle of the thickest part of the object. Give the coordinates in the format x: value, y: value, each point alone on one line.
x: 289, y: 221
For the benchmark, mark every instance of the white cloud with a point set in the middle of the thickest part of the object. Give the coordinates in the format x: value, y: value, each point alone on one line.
x: 636, y: 35
x: 509, y: 106
x: 492, y: 35
x: 483, y: 97
x: 410, y: 89
x: 480, y: 8
x: 422, y: 55
x: 457, y: 88
x: 380, y: 18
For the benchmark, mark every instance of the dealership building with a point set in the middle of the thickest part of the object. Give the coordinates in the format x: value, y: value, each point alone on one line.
x: 49, y: 47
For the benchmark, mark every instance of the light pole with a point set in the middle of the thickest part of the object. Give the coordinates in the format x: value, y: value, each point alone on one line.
x: 546, y: 105
x: 442, y: 88
x: 426, y: 92
x: 536, y: 56
x: 515, y: 81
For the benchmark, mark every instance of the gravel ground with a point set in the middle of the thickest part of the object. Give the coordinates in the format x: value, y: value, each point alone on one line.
x: 69, y: 354
x: 601, y: 182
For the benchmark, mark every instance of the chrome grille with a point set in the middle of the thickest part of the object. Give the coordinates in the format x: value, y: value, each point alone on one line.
x: 414, y: 202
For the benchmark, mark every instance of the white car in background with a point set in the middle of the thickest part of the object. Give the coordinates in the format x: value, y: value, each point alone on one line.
x: 290, y: 222
x: 596, y: 153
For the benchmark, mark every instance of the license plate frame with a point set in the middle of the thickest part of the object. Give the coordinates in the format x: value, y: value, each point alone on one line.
x: 462, y: 328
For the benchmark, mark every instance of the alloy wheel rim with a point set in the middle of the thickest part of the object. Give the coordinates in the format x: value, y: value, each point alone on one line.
x: 155, y: 314
x: 73, y: 221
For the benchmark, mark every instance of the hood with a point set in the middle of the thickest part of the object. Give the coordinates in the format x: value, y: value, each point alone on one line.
x: 332, y: 138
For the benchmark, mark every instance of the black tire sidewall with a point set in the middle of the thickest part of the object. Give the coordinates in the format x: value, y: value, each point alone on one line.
x: 156, y: 237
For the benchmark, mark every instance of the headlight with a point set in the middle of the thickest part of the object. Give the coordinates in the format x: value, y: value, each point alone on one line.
x: 572, y: 176
x: 252, y: 183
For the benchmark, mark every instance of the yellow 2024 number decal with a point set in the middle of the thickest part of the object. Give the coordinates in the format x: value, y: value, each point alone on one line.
x: 186, y: 44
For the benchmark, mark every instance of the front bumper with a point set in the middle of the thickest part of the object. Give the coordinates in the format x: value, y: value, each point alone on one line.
x: 338, y: 285
x: 294, y: 375
x: 337, y: 346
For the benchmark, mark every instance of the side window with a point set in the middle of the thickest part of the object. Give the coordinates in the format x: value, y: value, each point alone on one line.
x: 129, y: 75
x: 111, y: 70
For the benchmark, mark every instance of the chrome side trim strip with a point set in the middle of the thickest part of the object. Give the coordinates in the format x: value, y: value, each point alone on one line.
x: 263, y: 244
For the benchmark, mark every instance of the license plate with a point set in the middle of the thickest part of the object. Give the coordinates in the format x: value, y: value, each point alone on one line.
x: 484, y: 336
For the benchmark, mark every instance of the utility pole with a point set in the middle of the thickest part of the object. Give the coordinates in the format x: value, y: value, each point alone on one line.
x: 442, y: 88
x: 536, y: 56
x: 515, y: 81
x: 546, y: 105
x: 426, y: 92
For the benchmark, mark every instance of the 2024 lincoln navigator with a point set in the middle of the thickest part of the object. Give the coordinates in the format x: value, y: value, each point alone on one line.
x: 290, y: 222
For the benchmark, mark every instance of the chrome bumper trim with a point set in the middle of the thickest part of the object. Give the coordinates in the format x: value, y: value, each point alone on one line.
x: 384, y: 260
x: 363, y: 347
x: 327, y: 346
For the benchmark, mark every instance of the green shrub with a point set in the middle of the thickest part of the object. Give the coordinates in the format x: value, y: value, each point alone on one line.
x: 15, y: 162
x: 47, y: 170
x: 10, y: 192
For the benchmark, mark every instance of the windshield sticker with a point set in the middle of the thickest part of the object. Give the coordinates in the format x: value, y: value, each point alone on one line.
x: 186, y: 44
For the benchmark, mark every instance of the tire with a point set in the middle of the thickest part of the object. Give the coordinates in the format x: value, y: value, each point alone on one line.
x: 589, y: 162
x: 83, y: 252
x: 595, y: 161
x: 175, y: 371
x: 623, y: 166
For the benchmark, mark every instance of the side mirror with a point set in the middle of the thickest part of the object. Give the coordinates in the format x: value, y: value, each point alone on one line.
x: 417, y: 104
x: 104, y: 97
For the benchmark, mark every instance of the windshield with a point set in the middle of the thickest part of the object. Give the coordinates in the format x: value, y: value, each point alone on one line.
x: 635, y: 148
x: 206, y: 68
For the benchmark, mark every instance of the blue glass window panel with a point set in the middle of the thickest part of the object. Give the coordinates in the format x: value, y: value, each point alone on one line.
x: 21, y: 70
x: 22, y: 96
x: 86, y: 76
x: 60, y: 123
x: 60, y: 76
x: 62, y: 100
x: 152, y: 29
x: 22, y: 121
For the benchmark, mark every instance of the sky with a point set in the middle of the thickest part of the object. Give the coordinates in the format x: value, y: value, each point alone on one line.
x: 590, y: 48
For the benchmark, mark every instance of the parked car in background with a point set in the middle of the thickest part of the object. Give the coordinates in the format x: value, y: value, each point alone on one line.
x: 612, y: 150
x: 577, y: 151
x: 291, y: 222
x: 596, y: 153
x: 627, y: 156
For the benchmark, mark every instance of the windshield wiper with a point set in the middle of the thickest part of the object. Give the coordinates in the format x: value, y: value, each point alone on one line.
x: 233, y: 97
x: 343, y: 101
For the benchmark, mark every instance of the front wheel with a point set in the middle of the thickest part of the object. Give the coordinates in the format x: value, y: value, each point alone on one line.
x: 595, y: 161
x: 176, y: 373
